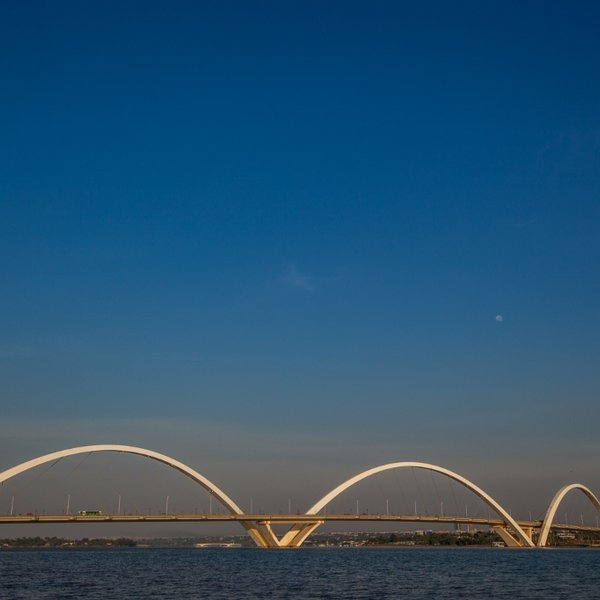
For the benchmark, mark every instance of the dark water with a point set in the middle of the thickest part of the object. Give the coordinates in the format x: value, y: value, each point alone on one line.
x: 305, y: 573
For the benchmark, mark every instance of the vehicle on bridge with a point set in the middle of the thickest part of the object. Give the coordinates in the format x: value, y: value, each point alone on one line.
x: 89, y: 513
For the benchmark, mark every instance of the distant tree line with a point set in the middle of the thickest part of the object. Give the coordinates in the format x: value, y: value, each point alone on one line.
x: 55, y: 542
x: 433, y: 538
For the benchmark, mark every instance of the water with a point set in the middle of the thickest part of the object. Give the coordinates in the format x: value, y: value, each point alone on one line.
x: 305, y: 573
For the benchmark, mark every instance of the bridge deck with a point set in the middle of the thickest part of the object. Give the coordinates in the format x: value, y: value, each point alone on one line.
x: 276, y: 518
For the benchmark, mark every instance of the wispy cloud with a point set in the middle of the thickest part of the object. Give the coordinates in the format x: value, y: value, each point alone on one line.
x: 16, y: 351
x: 571, y: 152
x: 294, y: 279
x: 523, y: 223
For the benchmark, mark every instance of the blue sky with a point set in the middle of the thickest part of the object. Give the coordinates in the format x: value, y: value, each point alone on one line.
x: 373, y: 221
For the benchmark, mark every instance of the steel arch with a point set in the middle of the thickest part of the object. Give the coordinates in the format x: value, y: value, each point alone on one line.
x: 554, y: 504
x: 298, y: 534
x: 210, y: 487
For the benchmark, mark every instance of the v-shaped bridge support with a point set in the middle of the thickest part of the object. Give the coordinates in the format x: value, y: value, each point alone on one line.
x: 263, y: 535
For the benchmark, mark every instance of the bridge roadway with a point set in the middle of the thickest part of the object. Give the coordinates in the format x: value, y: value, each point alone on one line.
x: 280, y: 519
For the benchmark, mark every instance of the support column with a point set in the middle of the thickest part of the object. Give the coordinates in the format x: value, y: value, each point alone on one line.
x: 507, y: 538
x: 261, y: 536
x: 267, y: 534
x: 298, y: 533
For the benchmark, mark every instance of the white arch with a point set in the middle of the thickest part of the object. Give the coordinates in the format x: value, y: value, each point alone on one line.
x: 554, y: 504
x: 210, y: 487
x: 505, y: 516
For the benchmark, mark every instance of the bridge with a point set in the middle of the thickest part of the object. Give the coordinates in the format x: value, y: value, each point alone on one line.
x: 515, y: 533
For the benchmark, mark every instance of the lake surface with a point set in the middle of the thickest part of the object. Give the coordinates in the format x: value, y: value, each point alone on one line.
x: 303, y: 573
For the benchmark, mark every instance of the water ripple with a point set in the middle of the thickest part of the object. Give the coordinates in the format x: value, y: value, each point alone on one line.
x: 404, y: 573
